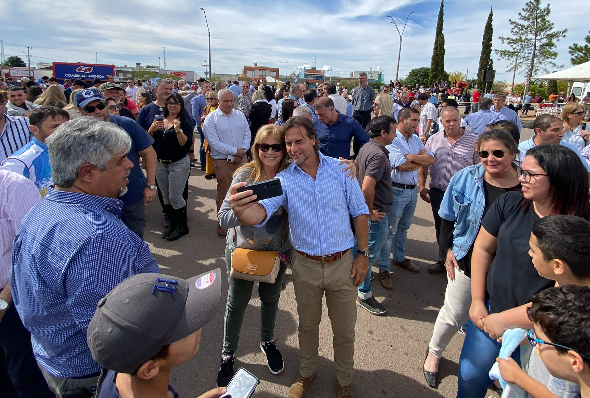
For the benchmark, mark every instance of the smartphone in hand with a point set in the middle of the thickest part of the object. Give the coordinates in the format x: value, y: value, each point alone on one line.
x: 242, y: 385
x: 264, y: 189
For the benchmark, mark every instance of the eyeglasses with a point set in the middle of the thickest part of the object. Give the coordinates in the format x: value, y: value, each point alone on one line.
x: 498, y: 153
x: 375, y: 104
x: 114, y: 107
x: 527, y: 175
x: 266, y: 147
x: 211, y: 99
x: 92, y: 108
x: 580, y: 113
x: 533, y: 340
x: 173, y: 103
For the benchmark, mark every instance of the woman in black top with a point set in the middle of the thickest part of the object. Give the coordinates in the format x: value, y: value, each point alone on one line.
x: 260, y: 112
x: 173, y: 137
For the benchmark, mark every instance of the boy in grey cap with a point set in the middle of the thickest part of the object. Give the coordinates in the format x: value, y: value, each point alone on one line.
x: 147, y: 325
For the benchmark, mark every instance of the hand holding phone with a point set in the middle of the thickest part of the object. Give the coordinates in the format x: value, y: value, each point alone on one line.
x: 242, y: 385
x: 264, y: 189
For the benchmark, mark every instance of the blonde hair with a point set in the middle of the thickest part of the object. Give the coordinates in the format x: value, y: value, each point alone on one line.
x: 567, y: 110
x: 385, y: 104
x: 52, y: 96
x: 266, y: 131
x: 258, y: 95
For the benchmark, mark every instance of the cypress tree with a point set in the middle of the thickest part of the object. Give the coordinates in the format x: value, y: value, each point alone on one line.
x: 486, y: 50
x: 437, y: 64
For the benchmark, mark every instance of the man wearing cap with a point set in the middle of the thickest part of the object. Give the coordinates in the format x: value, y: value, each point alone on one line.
x: 112, y: 90
x: 142, y: 188
x: 72, y: 249
x: 127, y: 335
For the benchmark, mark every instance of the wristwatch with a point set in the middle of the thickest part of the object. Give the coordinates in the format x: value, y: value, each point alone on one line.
x: 152, y: 187
x: 363, y: 252
x: 4, y: 305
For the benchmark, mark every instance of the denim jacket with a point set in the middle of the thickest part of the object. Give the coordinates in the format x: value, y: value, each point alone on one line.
x: 464, y: 203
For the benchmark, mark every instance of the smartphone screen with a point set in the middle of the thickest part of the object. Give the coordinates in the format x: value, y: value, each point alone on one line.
x: 265, y: 189
x: 242, y: 385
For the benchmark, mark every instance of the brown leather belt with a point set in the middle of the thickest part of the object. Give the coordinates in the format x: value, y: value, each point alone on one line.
x: 325, y: 259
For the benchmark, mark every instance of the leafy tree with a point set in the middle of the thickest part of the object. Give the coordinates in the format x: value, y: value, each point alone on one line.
x: 15, y: 61
x: 150, y: 66
x: 437, y: 64
x: 417, y: 76
x: 552, y: 87
x: 580, y: 53
x: 532, y: 41
x: 486, y: 49
x: 457, y: 76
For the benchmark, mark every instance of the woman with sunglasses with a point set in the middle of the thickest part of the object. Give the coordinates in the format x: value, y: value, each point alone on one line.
x: 113, y: 106
x: 574, y: 131
x: 173, y: 136
x: 468, y: 197
x: 554, y: 181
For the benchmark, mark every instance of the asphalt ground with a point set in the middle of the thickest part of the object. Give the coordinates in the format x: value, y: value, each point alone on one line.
x: 389, y: 350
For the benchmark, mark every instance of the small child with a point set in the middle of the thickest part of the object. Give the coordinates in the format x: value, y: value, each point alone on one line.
x: 559, y: 252
x: 147, y: 325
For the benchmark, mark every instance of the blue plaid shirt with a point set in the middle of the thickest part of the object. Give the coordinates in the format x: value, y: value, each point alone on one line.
x: 319, y: 209
x: 71, y: 250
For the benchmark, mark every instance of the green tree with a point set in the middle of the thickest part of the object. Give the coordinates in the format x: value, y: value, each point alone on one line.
x: 15, y: 61
x: 437, y: 63
x: 143, y: 74
x: 580, y: 53
x: 552, y: 87
x: 417, y: 76
x: 486, y: 49
x: 532, y: 41
x: 457, y: 76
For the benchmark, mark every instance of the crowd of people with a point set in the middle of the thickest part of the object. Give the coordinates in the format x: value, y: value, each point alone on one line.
x: 80, y: 162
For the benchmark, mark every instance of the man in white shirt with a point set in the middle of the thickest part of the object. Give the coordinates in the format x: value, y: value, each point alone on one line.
x: 131, y: 90
x: 428, y: 115
x: 340, y: 103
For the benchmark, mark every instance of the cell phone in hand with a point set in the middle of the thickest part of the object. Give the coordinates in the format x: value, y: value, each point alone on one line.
x: 265, y: 189
x: 583, y: 126
x: 158, y: 118
x: 242, y: 385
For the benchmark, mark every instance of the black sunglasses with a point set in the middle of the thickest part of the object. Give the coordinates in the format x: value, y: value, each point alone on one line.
x: 266, y: 147
x: 91, y: 108
x: 498, y: 153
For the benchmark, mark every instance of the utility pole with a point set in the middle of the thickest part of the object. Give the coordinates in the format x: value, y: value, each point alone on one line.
x: 159, y: 67
x: 315, y: 65
x: 2, y: 52
x: 96, y: 57
x: 29, y: 59
x: 401, y: 35
x: 514, y: 74
x: 209, y: 34
x: 165, y: 68
x: 206, y: 70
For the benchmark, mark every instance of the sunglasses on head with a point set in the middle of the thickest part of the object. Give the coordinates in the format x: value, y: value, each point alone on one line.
x: 266, y: 147
x: 92, y: 108
x: 498, y: 153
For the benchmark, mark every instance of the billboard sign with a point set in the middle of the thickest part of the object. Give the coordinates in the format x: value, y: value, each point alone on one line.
x: 63, y: 70
x: 19, y: 73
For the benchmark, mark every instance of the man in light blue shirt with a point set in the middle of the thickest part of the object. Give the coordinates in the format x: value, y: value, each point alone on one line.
x: 480, y: 120
x: 509, y: 114
x: 406, y: 155
x: 548, y: 130
x: 320, y: 199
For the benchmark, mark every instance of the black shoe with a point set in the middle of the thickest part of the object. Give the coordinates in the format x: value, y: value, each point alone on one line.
x: 172, y: 223
x: 430, y: 377
x: 210, y: 176
x: 273, y: 357
x: 371, y: 305
x: 226, y: 370
x: 182, y: 225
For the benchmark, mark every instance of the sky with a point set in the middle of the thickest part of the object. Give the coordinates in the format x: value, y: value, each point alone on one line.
x: 339, y: 35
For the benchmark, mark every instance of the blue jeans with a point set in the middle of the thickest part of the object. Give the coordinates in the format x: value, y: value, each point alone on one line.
x: 377, y: 235
x: 399, y: 221
x: 478, y: 355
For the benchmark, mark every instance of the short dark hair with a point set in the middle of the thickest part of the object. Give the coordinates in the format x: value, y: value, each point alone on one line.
x: 52, y: 79
x: 39, y: 115
x: 96, y: 81
x: 451, y: 102
x: 544, y: 122
x: 79, y: 82
x: 15, y: 88
x: 379, y: 124
x: 45, y: 78
x: 508, y: 126
x: 563, y: 237
x: 485, y: 104
x: 330, y: 88
x: 423, y: 97
x: 568, y: 179
x: 302, y: 121
x: 563, y: 316
x: 406, y: 112
x: 309, y: 95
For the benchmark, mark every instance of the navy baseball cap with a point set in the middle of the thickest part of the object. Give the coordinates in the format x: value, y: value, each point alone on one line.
x: 86, y: 96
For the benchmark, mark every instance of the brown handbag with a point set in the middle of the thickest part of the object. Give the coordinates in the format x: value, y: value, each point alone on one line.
x: 257, y: 265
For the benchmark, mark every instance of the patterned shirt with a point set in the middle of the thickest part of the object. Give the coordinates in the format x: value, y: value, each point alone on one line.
x: 32, y: 162
x: 318, y: 208
x: 14, y: 136
x: 450, y: 158
x: 17, y: 196
x: 245, y: 103
x: 428, y: 112
x: 397, y: 151
x: 71, y: 250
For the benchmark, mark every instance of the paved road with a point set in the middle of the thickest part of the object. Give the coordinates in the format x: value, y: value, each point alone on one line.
x: 389, y: 350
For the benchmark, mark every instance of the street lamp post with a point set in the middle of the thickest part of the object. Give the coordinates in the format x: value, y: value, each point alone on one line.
x: 401, y: 34
x: 209, y: 33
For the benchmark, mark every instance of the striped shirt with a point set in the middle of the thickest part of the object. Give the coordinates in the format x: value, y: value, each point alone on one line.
x: 14, y: 136
x: 398, y: 149
x: 71, y: 250
x: 17, y: 196
x: 32, y: 162
x: 450, y: 158
x: 319, y: 209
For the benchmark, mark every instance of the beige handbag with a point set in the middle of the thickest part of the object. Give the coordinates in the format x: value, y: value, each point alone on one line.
x: 256, y: 265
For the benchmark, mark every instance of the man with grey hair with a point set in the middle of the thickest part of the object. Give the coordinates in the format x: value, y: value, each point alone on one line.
x: 480, y: 120
x: 72, y: 249
x: 363, y: 97
x: 509, y: 114
x: 226, y: 129
x: 295, y: 93
x: 142, y: 188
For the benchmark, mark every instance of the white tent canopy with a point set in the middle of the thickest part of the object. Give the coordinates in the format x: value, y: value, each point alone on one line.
x: 578, y: 73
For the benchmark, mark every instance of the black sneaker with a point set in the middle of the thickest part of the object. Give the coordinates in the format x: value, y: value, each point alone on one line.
x: 226, y: 370
x: 371, y: 305
x: 273, y: 357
